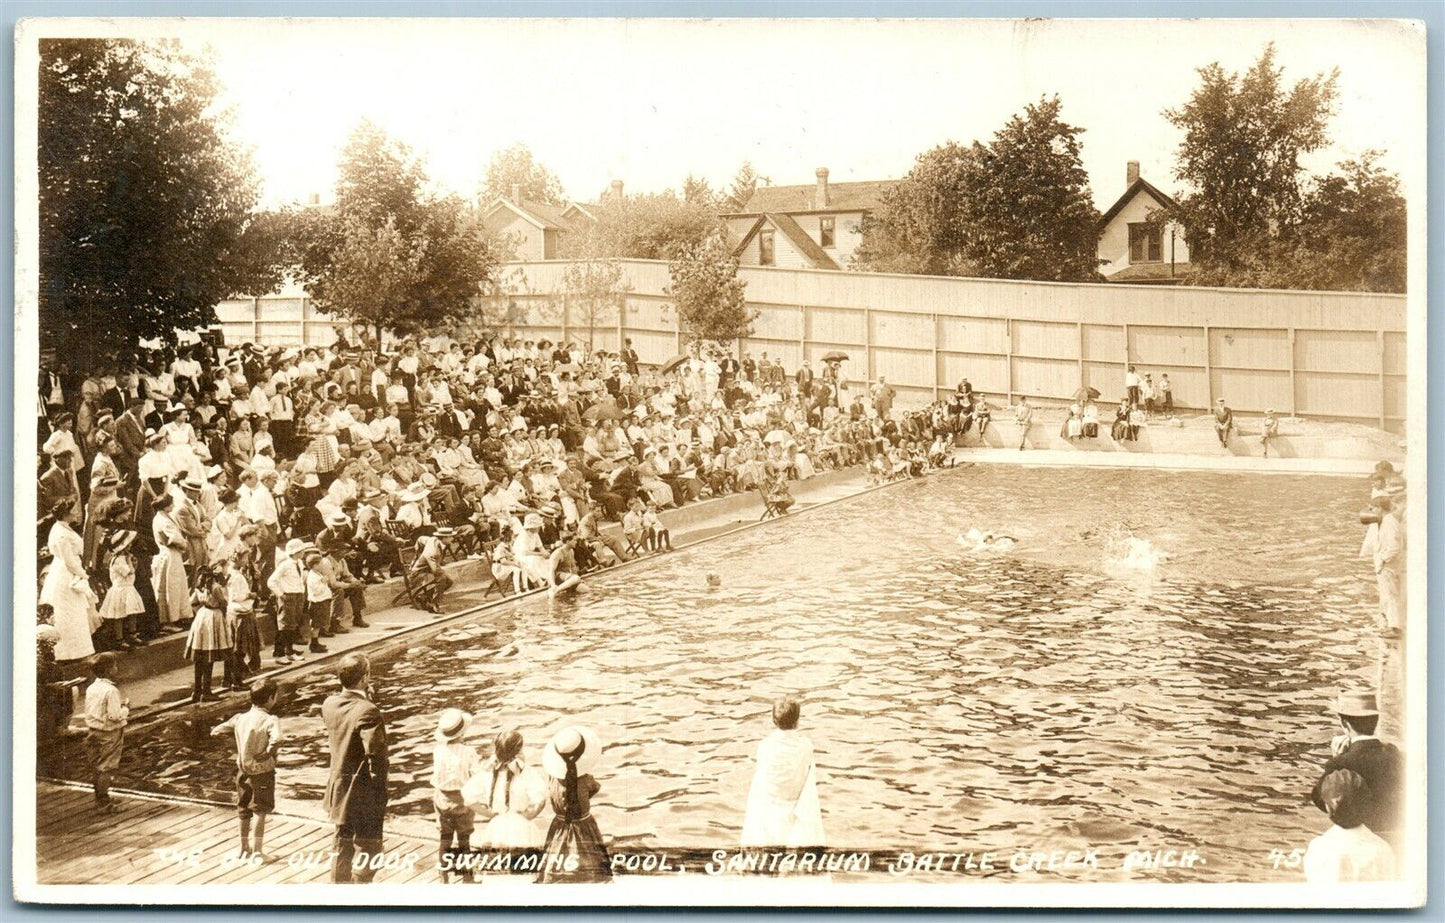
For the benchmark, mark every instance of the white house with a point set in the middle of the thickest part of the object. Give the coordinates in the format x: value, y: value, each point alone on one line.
x: 1134, y: 249
x: 812, y: 227
x: 535, y: 229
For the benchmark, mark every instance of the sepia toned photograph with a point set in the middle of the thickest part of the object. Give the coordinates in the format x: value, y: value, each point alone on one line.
x: 692, y: 462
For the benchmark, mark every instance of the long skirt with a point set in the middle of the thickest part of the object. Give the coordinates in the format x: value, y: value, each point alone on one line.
x: 168, y: 575
x: 574, y: 842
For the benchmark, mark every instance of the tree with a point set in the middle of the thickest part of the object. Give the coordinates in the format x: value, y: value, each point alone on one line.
x: 1243, y: 138
x: 146, y: 208
x: 650, y: 226
x: 392, y: 255
x: 698, y: 191
x: 1016, y: 208
x: 707, y: 291
x: 745, y: 182
x: 593, y: 293
x: 515, y: 166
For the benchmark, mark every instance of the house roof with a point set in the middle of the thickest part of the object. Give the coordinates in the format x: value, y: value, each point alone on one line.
x: 1152, y: 273
x: 1139, y: 185
x: 587, y: 210
x: 842, y: 197
x: 798, y: 237
x: 547, y: 217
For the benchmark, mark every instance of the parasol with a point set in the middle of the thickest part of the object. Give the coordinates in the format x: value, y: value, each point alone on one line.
x: 1086, y: 394
x: 674, y: 362
x: 835, y: 356
x: 601, y: 412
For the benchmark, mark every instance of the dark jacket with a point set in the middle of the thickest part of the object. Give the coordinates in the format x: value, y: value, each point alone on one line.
x: 356, y: 784
x: 1382, y: 766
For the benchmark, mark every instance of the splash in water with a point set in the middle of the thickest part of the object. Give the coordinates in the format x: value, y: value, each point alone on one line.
x: 1136, y: 554
x: 976, y: 540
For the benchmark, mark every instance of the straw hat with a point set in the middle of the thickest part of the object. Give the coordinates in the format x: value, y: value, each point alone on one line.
x: 532, y: 522
x: 296, y: 546
x: 337, y: 518
x: 413, y: 493
x: 1357, y: 704
x: 452, y: 724
x: 570, y: 740
x: 192, y: 483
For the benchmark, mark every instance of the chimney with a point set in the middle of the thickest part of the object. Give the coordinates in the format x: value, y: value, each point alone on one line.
x: 516, y: 193
x: 617, y: 189
x: 820, y: 196
x: 1132, y: 174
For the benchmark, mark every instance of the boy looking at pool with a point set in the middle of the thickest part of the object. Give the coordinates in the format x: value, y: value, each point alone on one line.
x: 105, y: 718
x: 258, y: 736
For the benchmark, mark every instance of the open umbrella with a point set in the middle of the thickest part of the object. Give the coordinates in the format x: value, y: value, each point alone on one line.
x: 835, y: 356
x: 601, y: 412
x: 674, y: 362
x: 1086, y: 394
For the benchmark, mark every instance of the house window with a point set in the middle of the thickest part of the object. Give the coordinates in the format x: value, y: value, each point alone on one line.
x: 1146, y: 243
x: 765, y: 248
x: 825, y: 232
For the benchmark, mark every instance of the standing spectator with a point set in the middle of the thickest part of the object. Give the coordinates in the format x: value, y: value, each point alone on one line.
x: 1147, y: 394
x: 574, y: 851
x: 782, y: 807
x: 105, y: 719
x: 1349, y: 850
x: 356, y: 783
x: 1389, y: 556
x: 209, y: 640
x: 168, y: 570
x: 453, y: 765
x: 1166, y: 394
x: 1024, y: 417
x: 1131, y: 385
x: 1268, y: 429
x: 57, y: 485
x: 883, y: 395
x: 67, y: 587
x: 257, y: 733
x: 1379, y: 764
x: 1223, y: 422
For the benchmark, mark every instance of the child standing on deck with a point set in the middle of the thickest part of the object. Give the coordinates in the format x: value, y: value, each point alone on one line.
x: 105, y: 717
x: 658, y: 538
x: 209, y: 639
x: 258, y: 736
x: 453, y: 764
x: 241, y: 616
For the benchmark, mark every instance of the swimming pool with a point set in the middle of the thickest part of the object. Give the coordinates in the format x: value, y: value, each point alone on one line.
x: 1049, y: 697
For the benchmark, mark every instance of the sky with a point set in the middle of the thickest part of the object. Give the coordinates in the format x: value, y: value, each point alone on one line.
x: 650, y: 101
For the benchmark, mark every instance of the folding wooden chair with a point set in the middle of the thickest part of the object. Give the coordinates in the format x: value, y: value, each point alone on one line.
x: 415, y: 586
x: 770, y: 509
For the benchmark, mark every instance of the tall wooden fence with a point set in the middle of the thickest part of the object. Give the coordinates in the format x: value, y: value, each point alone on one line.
x: 1326, y: 355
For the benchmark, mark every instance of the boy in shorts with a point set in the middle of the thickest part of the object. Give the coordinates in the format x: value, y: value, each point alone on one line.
x: 105, y: 718
x: 258, y: 735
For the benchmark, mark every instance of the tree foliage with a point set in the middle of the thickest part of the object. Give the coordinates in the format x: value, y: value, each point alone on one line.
x: 1240, y: 158
x: 391, y: 254
x: 649, y: 226
x: 696, y: 190
x: 745, y: 182
x: 516, y: 166
x: 1015, y: 208
x: 707, y: 291
x: 146, y: 208
x: 594, y: 292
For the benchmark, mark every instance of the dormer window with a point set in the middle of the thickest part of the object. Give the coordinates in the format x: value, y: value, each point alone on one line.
x: 825, y: 232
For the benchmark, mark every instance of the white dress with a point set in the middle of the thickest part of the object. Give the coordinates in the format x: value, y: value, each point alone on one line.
x: 514, y: 795
x: 68, y: 592
x: 1354, y: 854
x: 783, y: 807
x: 180, y: 438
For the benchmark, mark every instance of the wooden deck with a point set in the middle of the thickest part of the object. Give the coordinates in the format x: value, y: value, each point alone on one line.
x: 164, y: 841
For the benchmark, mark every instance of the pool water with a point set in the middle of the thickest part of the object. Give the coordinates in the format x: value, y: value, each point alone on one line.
x: 1058, y: 695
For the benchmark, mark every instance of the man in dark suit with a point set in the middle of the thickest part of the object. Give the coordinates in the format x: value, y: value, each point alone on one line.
x: 629, y: 357
x: 804, y: 378
x: 356, y: 785
x: 1381, y: 765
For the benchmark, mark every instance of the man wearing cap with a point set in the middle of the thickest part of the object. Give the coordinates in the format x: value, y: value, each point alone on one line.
x: 1381, y: 765
x: 356, y: 782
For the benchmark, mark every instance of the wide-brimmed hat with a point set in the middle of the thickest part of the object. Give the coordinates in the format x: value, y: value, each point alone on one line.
x: 119, y: 540
x: 570, y: 740
x: 296, y: 546
x: 413, y: 493
x: 337, y: 518
x: 214, y: 472
x: 192, y: 482
x: 1357, y: 704
x: 452, y: 723
x: 533, y: 521
x: 152, y: 436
